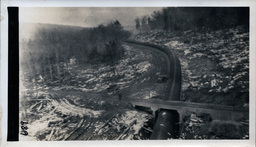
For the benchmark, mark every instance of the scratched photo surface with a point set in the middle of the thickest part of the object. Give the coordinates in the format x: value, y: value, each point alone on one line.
x: 134, y: 73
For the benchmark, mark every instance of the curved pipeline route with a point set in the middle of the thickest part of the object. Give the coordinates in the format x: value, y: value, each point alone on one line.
x: 167, y: 122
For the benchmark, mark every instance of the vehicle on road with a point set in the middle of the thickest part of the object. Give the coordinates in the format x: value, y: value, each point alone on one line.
x: 162, y: 79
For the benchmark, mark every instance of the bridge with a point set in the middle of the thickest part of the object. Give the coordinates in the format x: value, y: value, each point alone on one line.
x: 219, y: 112
x: 170, y: 110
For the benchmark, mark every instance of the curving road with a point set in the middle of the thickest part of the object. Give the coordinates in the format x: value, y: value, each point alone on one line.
x: 172, y: 66
x: 166, y: 125
x: 160, y: 63
x: 168, y: 64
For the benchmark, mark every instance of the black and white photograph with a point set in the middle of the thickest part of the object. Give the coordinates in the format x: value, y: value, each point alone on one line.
x: 133, y: 73
x: 127, y: 73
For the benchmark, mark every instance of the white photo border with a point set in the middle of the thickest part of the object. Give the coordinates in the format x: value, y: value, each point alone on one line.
x: 122, y: 3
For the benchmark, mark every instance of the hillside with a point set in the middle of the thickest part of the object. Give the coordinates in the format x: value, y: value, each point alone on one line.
x: 73, y: 79
x: 215, y: 65
x: 215, y: 69
x: 28, y: 30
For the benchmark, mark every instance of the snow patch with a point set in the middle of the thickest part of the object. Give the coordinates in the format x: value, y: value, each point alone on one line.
x: 66, y: 108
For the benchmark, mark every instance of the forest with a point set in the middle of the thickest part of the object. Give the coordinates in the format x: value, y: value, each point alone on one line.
x: 213, y: 48
x: 200, y: 19
x: 54, y: 48
x: 73, y: 79
x: 212, y: 45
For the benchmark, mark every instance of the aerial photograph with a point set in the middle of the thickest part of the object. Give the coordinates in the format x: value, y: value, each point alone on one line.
x: 133, y: 73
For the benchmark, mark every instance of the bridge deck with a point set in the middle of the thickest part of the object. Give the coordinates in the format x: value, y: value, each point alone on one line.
x: 216, y: 111
x: 172, y: 95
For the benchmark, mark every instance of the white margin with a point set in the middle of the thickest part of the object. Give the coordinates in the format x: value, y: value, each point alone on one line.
x: 123, y: 3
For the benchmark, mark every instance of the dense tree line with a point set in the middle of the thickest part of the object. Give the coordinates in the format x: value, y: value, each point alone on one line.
x: 49, y: 55
x: 200, y: 18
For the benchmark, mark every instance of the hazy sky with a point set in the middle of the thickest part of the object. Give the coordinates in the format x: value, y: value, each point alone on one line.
x: 87, y: 17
